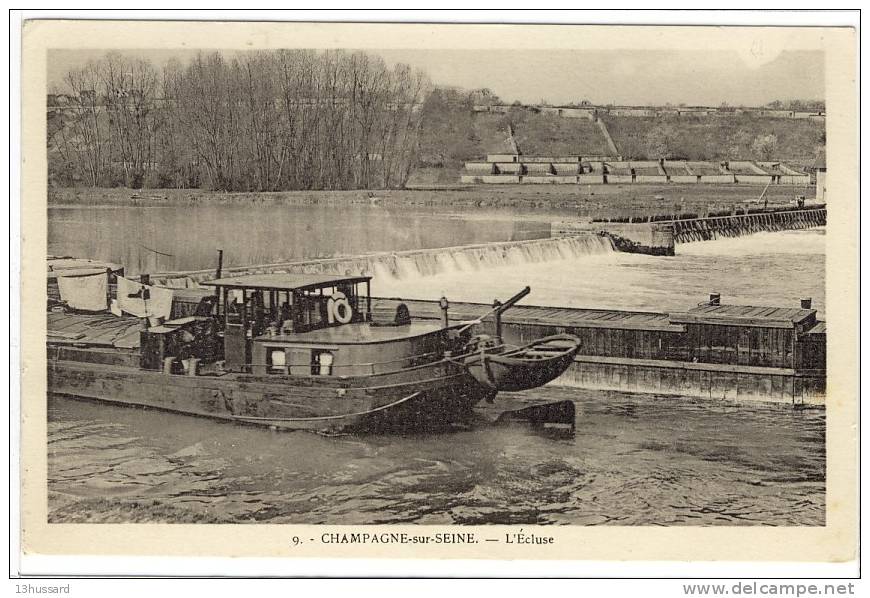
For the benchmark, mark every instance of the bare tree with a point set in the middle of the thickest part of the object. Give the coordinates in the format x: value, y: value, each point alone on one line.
x: 84, y: 138
x: 765, y: 146
x: 129, y: 89
x: 291, y: 119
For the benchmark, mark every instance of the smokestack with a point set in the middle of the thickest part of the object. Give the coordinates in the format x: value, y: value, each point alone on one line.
x: 807, y: 303
x: 495, y: 305
x: 445, y: 305
x: 715, y: 299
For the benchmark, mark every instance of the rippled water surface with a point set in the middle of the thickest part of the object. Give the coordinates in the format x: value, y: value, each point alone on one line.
x: 635, y: 459
x: 774, y: 269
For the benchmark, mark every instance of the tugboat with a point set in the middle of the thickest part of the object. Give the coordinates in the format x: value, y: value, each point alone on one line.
x: 303, y: 351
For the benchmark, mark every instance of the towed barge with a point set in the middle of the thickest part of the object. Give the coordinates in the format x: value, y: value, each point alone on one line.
x: 301, y: 351
x: 712, y: 350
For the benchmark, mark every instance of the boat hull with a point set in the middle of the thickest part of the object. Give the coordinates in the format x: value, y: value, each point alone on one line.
x: 525, y: 368
x: 428, y: 398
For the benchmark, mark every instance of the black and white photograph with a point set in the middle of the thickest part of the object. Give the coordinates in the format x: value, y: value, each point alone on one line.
x: 448, y: 288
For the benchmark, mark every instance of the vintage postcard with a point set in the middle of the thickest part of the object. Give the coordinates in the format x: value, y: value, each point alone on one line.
x: 439, y: 291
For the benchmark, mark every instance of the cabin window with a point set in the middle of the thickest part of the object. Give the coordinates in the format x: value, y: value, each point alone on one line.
x: 321, y: 362
x: 276, y: 361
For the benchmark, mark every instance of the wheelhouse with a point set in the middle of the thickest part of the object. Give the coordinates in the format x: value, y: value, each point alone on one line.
x: 269, y: 305
x: 318, y: 325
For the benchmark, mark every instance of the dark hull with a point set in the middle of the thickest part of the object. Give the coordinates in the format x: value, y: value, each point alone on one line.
x: 527, y: 367
x: 431, y: 397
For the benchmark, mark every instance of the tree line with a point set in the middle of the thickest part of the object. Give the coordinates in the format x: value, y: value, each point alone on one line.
x: 257, y: 121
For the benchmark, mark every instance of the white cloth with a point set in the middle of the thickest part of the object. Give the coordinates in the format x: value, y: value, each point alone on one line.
x: 87, y: 292
x: 158, y: 303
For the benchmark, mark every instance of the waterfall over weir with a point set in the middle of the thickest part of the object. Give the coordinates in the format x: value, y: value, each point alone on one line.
x: 423, y: 262
x: 482, y: 257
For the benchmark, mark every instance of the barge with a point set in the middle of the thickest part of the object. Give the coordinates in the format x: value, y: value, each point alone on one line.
x: 303, y: 351
x: 711, y: 350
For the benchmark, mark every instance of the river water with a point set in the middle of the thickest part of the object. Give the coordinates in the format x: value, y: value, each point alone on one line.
x: 634, y: 460
x: 168, y: 239
x: 765, y: 269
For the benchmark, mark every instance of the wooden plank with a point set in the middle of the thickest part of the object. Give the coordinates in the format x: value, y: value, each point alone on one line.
x: 733, y: 342
x: 754, y: 347
x: 654, y: 344
x: 764, y: 346
x: 128, y: 340
x: 77, y: 326
x: 63, y: 324
x: 633, y: 343
x: 620, y: 341
x: 64, y: 335
x: 53, y: 317
x: 724, y: 321
x: 786, y: 357
x: 106, y: 335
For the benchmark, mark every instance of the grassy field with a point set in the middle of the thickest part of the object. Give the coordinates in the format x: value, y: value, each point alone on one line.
x: 686, y: 137
x: 536, y: 134
x: 550, y: 135
x: 584, y: 201
x: 715, y: 138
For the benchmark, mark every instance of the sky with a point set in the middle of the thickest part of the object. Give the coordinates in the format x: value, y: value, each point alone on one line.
x: 630, y: 77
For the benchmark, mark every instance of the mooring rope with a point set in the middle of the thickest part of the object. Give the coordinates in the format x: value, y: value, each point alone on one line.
x: 328, y: 417
x: 155, y: 251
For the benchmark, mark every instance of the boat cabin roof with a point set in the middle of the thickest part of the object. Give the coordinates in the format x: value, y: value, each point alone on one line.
x: 285, y: 282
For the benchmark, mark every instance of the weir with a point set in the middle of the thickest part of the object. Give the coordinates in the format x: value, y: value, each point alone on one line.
x: 706, y: 229
x: 570, y: 239
x: 418, y: 262
x: 660, y: 237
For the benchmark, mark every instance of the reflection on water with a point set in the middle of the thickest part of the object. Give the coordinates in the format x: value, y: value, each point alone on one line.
x: 165, y: 239
x: 635, y: 460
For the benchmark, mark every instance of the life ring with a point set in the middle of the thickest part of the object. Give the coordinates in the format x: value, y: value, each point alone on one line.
x: 339, y: 309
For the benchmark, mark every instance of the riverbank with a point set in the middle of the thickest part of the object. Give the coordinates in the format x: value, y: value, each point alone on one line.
x: 598, y: 201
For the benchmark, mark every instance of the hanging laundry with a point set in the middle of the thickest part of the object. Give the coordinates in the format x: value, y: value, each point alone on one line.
x: 160, y: 303
x: 142, y: 300
x: 130, y: 297
x: 85, y: 289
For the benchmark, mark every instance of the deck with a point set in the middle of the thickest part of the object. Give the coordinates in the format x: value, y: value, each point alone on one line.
x: 543, y: 315
x: 95, y: 330
x: 746, y: 315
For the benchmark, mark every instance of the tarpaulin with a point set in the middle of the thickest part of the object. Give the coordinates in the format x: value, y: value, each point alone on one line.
x: 84, y: 291
x: 144, y: 301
